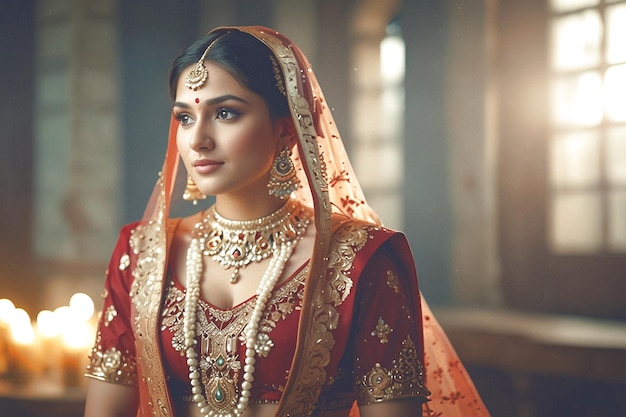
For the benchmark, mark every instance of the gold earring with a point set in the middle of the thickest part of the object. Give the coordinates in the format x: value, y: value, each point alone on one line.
x: 192, y: 193
x: 283, y: 180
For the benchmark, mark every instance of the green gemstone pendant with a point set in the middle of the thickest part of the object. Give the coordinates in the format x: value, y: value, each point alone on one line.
x: 219, y: 394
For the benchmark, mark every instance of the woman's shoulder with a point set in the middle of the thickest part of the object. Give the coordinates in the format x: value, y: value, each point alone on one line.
x: 342, y: 224
x: 363, y: 238
x: 141, y: 232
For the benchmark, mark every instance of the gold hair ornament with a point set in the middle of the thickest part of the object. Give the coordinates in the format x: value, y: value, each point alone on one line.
x: 199, y: 74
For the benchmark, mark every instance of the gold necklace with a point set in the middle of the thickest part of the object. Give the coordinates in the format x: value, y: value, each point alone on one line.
x: 237, y: 243
x: 214, y: 380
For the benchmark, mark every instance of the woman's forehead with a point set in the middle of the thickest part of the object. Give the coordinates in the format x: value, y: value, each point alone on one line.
x: 219, y: 82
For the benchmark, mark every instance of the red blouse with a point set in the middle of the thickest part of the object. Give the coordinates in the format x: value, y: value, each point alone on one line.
x: 376, y: 354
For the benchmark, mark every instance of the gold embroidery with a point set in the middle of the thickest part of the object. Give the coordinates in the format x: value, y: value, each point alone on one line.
x: 393, y: 282
x: 278, y: 76
x: 382, y: 330
x: 109, y: 314
x: 405, y: 379
x: 148, y: 242
x: 306, y: 130
x: 124, y: 262
x: 111, y: 366
x: 223, y: 323
x: 105, y: 293
x: 331, y: 291
x: 304, y: 382
x: 348, y: 241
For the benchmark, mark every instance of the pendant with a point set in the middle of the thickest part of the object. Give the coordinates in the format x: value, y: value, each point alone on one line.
x: 219, y: 377
x: 221, y: 391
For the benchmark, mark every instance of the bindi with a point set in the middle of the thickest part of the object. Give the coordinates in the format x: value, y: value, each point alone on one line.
x: 197, y: 100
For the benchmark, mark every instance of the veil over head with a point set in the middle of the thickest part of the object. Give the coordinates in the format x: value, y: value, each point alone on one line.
x: 329, y: 186
x: 328, y: 181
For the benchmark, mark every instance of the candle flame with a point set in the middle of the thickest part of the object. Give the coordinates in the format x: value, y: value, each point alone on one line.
x: 82, y: 305
x: 48, y: 324
x: 21, y: 327
x: 6, y: 310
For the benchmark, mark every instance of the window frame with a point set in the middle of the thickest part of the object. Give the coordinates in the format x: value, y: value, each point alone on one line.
x: 533, y: 276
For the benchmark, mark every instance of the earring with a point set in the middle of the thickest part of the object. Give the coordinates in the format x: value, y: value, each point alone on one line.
x: 192, y: 192
x: 283, y: 179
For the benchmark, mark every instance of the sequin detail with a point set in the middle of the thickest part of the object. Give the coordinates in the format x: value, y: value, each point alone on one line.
x: 382, y: 330
x: 109, y: 314
x: 393, y: 282
x: 124, y: 262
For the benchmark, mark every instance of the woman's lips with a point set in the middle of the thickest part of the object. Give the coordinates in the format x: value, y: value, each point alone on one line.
x: 206, y: 166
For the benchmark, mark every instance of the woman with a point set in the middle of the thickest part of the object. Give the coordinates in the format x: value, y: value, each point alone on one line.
x: 287, y: 297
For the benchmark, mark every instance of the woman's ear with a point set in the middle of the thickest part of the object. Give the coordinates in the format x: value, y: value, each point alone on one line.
x: 286, y: 131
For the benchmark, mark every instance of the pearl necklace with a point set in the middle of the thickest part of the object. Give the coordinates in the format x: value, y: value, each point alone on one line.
x: 254, y: 341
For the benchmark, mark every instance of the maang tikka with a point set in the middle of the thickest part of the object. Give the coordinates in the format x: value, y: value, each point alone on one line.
x: 199, y: 74
x: 283, y: 180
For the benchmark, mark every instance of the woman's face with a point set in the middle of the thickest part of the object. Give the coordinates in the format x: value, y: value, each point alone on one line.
x: 226, y: 137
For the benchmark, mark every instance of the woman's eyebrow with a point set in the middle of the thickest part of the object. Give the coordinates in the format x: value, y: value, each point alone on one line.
x: 213, y: 101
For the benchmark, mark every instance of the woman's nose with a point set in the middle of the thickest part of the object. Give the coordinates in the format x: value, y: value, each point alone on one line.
x: 201, y: 138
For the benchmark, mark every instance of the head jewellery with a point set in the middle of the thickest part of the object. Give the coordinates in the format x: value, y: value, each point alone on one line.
x: 199, y: 74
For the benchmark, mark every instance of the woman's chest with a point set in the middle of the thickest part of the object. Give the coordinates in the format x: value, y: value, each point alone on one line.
x: 220, y: 339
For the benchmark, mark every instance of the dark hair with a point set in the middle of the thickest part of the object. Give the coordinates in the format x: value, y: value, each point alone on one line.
x: 246, y: 58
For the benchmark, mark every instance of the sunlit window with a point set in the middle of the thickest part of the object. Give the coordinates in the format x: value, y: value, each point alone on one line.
x: 379, y: 64
x: 588, y: 140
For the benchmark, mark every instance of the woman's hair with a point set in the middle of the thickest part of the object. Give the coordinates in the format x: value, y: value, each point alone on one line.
x: 246, y: 58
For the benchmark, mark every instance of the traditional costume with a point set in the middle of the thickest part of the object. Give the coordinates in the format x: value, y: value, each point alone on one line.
x: 348, y: 327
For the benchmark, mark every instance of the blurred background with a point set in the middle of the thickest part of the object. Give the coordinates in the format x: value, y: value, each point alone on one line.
x: 493, y: 132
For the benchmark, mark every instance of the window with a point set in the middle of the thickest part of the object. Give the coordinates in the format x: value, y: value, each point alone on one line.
x: 587, y: 149
x: 562, y: 155
x: 379, y: 90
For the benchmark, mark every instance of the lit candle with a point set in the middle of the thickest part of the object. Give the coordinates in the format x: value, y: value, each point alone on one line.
x: 48, y: 331
x: 22, y: 356
x: 77, y: 335
x: 6, y: 311
x: 82, y: 305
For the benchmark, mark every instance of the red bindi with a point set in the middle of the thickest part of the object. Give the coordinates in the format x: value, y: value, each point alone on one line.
x: 197, y: 100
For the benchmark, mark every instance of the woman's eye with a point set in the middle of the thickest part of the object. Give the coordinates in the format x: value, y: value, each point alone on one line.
x: 226, y: 114
x: 183, y: 118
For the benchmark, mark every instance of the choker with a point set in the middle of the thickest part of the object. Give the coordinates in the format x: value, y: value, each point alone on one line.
x: 236, y: 244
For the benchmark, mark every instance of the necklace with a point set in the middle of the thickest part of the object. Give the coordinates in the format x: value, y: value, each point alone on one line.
x: 235, y: 244
x: 216, y: 394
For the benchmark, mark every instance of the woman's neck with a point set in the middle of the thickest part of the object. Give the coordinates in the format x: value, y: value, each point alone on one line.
x: 246, y: 208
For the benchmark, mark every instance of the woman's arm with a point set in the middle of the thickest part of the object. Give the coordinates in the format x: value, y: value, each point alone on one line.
x: 105, y: 399
x: 408, y: 407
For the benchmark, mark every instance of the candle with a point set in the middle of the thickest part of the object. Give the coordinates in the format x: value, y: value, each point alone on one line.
x: 55, y: 349
x: 23, y: 361
x: 6, y: 311
x: 82, y: 305
x: 48, y: 332
x: 77, y: 335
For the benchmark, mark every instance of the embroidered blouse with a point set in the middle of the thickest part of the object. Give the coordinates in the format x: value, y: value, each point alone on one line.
x: 376, y: 353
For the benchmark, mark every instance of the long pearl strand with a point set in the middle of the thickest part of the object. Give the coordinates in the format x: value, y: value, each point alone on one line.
x: 194, y: 266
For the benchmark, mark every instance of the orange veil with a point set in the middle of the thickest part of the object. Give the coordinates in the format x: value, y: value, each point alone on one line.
x: 329, y: 185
